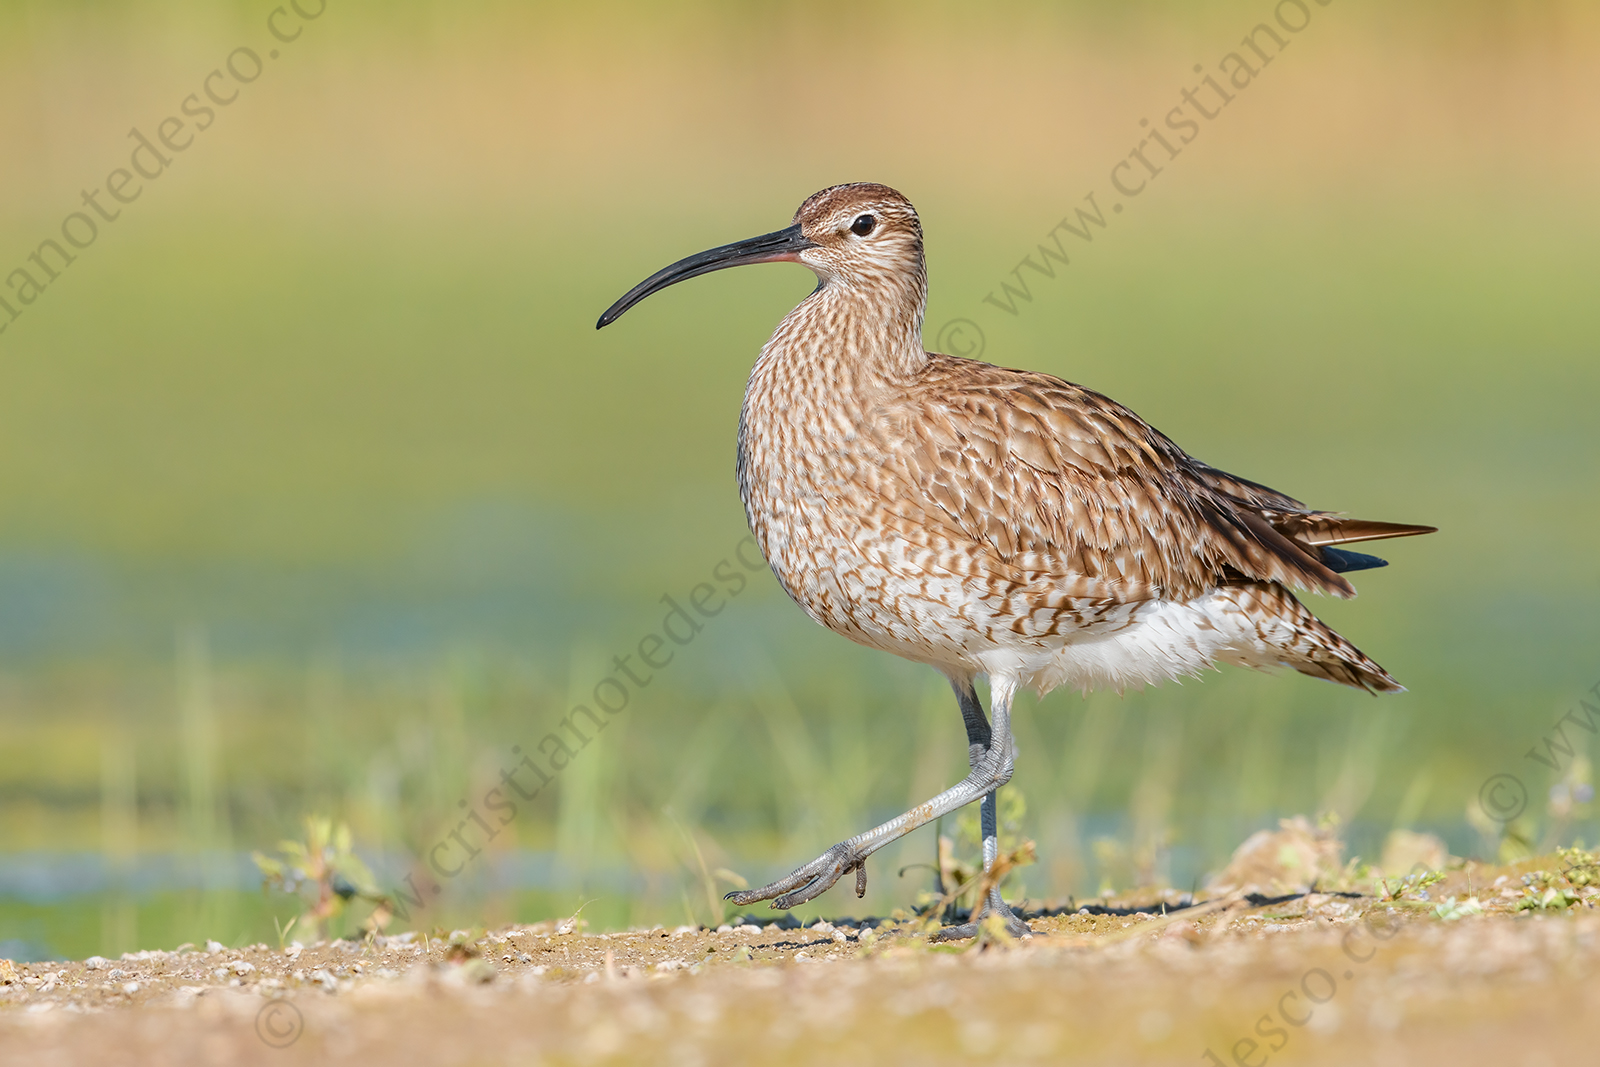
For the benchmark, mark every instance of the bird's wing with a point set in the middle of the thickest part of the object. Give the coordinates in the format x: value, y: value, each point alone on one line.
x: 1312, y: 530
x: 1053, y: 481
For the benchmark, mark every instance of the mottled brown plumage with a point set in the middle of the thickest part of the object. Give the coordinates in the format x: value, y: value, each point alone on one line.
x: 998, y: 522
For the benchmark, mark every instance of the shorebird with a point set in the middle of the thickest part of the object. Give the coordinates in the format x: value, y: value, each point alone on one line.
x: 996, y: 522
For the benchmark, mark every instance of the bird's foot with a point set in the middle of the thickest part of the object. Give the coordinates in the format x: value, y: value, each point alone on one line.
x: 1009, y: 922
x: 811, y: 881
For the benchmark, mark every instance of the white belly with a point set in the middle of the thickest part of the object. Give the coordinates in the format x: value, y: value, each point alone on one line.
x: 1144, y: 643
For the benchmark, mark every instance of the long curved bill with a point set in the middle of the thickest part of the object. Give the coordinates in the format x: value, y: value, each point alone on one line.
x: 779, y: 246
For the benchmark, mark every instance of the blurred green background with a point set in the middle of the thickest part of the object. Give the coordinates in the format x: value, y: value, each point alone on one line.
x: 319, y: 491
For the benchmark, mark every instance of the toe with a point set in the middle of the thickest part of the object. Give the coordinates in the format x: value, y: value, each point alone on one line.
x: 766, y: 892
x: 1014, y: 926
x: 956, y: 933
x: 804, y: 884
x: 808, y: 891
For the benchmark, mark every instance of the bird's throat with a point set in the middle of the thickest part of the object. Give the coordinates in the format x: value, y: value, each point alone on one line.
x: 851, y: 339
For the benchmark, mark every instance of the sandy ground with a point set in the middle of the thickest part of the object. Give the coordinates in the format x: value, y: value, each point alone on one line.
x: 1315, y: 978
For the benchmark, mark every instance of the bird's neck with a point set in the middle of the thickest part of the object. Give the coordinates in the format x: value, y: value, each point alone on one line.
x: 833, y: 363
x: 858, y: 337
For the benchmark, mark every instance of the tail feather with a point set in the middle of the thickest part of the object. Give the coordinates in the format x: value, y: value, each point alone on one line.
x: 1324, y: 528
x: 1293, y: 519
x: 1342, y: 562
x: 1283, y: 633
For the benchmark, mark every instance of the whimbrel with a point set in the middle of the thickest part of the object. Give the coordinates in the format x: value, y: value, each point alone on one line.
x: 997, y: 522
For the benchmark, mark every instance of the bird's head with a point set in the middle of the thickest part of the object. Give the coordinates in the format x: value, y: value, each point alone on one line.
x: 860, y: 232
x: 856, y: 235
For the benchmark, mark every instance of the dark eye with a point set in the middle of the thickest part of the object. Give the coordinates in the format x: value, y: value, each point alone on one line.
x: 863, y: 225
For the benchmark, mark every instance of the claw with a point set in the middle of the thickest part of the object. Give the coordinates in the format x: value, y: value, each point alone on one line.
x: 806, y: 883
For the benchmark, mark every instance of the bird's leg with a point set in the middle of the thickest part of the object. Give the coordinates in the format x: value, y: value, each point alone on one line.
x: 978, y: 741
x: 991, y: 769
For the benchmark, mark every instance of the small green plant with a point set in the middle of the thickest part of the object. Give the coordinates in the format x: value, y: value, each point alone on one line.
x: 1544, y: 890
x: 1581, y: 868
x: 1557, y: 890
x: 959, y: 867
x: 1414, y: 886
x: 1356, y: 874
x: 326, y: 875
x: 1452, y: 908
x: 1545, y: 898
